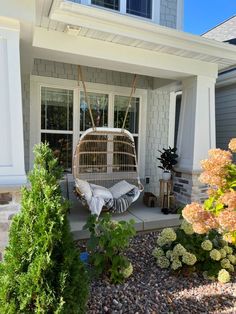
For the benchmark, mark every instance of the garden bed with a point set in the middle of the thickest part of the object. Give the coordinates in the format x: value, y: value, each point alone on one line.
x: 153, y: 290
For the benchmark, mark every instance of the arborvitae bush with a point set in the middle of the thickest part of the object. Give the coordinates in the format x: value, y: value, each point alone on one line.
x: 42, y: 271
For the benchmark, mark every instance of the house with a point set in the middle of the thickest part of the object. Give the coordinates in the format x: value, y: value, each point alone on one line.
x: 225, y: 86
x: 43, y: 42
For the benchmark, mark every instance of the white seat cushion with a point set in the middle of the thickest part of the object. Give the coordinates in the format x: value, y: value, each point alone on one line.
x: 121, y: 188
x: 100, y: 191
x: 84, y: 188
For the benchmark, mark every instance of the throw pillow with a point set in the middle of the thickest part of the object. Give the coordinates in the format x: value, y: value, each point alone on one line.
x: 84, y: 188
x: 121, y: 188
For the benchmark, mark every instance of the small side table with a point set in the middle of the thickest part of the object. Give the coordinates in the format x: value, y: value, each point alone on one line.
x: 166, y: 192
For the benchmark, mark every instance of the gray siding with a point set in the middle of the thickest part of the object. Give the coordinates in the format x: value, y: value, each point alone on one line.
x: 94, y: 75
x: 168, y: 14
x: 225, y: 115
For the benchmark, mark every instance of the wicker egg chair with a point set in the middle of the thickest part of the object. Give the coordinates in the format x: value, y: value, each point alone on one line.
x: 105, y: 156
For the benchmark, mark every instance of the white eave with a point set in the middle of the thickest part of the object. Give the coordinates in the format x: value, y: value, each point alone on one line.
x: 110, y: 26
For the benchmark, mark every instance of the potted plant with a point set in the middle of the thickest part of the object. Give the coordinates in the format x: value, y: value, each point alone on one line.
x: 168, y: 159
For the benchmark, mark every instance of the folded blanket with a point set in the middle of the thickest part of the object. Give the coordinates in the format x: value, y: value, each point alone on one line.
x: 102, y: 197
x: 121, y: 204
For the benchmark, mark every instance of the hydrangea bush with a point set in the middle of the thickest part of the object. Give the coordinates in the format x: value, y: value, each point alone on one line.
x: 219, y: 210
x: 108, y: 241
x: 183, y: 248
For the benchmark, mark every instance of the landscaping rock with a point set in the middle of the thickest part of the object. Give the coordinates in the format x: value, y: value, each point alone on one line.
x: 151, y: 290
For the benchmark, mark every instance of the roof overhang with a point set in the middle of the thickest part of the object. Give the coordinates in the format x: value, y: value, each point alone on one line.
x: 142, y: 33
x: 59, y: 46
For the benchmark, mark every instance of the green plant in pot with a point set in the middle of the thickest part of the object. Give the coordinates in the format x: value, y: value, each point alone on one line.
x: 168, y: 160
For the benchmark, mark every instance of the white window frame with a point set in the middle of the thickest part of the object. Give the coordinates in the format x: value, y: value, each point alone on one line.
x: 35, y: 110
x: 172, y: 111
x: 156, y: 7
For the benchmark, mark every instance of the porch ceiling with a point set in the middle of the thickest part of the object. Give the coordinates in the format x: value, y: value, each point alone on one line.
x: 113, y: 28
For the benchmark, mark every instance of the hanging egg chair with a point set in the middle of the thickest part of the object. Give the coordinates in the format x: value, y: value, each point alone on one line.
x: 105, y: 165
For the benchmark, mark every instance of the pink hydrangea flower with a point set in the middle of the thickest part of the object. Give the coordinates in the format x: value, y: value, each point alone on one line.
x: 232, y: 145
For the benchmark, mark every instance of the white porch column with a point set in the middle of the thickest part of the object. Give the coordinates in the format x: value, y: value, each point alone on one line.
x: 12, y: 170
x: 196, y: 136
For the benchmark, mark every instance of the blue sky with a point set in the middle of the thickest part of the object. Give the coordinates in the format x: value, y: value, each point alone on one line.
x: 202, y: 15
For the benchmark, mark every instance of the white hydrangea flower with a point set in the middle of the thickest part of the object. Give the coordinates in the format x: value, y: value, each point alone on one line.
x: 176, y: 264
x: 232, y: 259
x: 179, y: 250
x: 189, y: 259
x: 228, y: 249
x: 163, y: 262
x: 169, y: 254
x: 225, y: 263
x: 231, y: 268
x: 127, y: 272
x: 223, y: 253
x: 207, y: 245
x: 157, y: 252
x: 223, y: 276
x: 186, y: 227
x: 169, y: 234
x: 161, y: 241
x: 215, y: 255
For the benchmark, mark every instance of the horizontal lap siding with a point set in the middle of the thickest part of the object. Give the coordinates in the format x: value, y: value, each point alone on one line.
x: 225, y: 115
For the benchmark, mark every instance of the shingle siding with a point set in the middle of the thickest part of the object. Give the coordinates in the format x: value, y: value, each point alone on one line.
x: 168, y: 13
x: 94, y: 75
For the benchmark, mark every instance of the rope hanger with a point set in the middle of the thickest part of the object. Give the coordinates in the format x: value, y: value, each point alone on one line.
x: 133, y: 89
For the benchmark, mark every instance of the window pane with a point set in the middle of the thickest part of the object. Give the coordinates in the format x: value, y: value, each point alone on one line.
x: 123, y: 160
x: 110, y: 4
x: 140, y: 7
x: 177, y: 116
x: 56, y: 109
x: 93, y: 157
x: 120, y: 106
x: 99, y: 106
x: 61, y: 144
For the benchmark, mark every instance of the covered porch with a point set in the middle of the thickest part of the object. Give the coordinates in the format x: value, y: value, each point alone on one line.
x: 116, y: 47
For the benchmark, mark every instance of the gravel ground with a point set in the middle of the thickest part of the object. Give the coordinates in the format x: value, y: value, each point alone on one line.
x: 152, y: 290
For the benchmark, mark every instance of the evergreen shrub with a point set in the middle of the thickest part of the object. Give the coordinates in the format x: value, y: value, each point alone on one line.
x: 42, y: 271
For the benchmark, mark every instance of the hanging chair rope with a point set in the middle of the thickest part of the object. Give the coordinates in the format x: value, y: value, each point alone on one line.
x: 130, y: 98
x: 133, y: 88
x: 80, y: 75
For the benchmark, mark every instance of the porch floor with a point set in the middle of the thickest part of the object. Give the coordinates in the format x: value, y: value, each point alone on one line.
x: 146, y: 218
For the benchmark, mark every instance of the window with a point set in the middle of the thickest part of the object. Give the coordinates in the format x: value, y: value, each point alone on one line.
x: 57, y: 123
x: 109, y: 4
x: 132, y: 121
x: 140, y: 7
x: 99, y: 108
x: 177, y: 116
x: 174, y: 117
x: 60, y: 115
